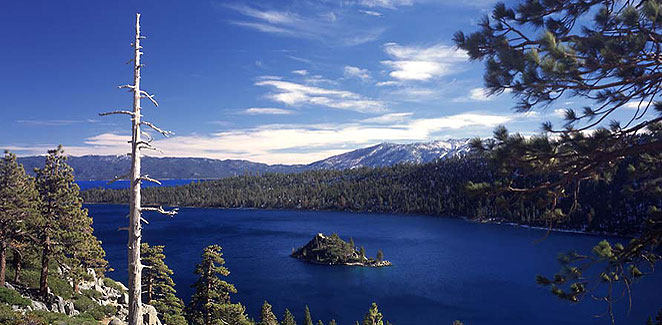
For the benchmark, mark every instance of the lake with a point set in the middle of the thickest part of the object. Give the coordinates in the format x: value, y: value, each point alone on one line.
x: 444, y: 269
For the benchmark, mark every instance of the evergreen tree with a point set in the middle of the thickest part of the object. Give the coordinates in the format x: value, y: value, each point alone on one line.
x: 320, y: 322
x: 307, y: 318
x: 210, y: 304
x: 288, y: 318
x: 267, y: 316
x: 600, y: 51
x: 373, y: 316
x: 332, y: 322
x: 158, y: 285
x: 18, y: 209
x: 65, y: 229
x: 362, y: 252
x: 380, y: 255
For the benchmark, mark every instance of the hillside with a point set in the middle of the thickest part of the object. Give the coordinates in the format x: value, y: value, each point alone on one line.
x: 381, y: 155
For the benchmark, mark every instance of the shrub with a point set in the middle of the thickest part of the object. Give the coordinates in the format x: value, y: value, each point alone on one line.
x: 91, y: 293
x: 108, y: 282
x: 11, y: 297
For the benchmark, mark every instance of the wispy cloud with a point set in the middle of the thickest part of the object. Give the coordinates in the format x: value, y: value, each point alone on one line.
x: 388, y: 118
x: 371, y: 13
x: 267, y: 111
x: 322, y: 26
x: 300, y: 72
x: 390, y: 4
x: 297, y: 143
x: 291, y: 93
x: 54, y: 122
x: 422, y: 63
x: 356, y: 72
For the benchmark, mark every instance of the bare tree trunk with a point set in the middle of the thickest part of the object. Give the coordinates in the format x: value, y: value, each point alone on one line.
x: 3, y: 262
x: 135, y: 227
x: 135, y: 209
x: 17, y: 265
x: 45, y: 260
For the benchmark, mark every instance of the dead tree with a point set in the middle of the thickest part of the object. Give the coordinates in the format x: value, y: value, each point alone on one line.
x: 137, y: 144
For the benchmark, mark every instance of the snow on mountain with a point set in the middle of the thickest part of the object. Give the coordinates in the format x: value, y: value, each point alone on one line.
x: 387, y: 154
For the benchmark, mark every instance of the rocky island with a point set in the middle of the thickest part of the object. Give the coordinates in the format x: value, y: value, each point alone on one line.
x: 332, y: 250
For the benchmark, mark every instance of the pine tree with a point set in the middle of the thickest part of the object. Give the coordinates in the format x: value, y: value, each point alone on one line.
x: 210, y: 304
x: 158, y: 285
x: 602, y: 53
x: 18, y: 210
x: 307, y: 318
x: 267, y: 316
x: 288, y: 318
x: 320, y: 322
x: 332, y: 322
x: 373, y: 316
x: 65, y: 229
x: 380, y: 255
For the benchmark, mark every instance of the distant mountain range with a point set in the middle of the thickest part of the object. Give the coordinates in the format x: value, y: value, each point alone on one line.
x: 384, y: 154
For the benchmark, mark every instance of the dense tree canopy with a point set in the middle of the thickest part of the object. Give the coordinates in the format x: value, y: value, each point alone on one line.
x: 159, y: 288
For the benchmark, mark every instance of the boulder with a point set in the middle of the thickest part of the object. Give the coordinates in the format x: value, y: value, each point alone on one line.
x: 116, y: 321
x: 150, y: 316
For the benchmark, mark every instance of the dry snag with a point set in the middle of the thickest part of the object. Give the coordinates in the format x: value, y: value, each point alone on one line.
x: 135, y: 218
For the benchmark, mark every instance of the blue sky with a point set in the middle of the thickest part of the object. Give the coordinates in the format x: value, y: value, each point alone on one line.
x: 267, y: 81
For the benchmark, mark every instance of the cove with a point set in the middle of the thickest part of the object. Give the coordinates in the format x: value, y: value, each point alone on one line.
x: 443, y: 269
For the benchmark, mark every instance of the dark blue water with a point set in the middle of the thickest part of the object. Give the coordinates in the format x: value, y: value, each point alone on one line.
x: 85, y: 185
x: 444, y: 269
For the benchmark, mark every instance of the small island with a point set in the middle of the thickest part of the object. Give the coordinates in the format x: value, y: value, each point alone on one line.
x: 332, y: 250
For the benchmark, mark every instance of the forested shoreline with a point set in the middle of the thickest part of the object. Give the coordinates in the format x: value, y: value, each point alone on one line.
x: 449, y: 188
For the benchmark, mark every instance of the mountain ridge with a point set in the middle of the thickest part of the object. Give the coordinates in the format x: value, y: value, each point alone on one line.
x: 105, y: 167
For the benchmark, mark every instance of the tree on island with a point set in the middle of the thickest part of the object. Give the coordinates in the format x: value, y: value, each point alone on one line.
x: 64, y: 228
x: 210, y: 304
x: 307, y: 318
x: 288, y: 318
x: 159, y: 288
x: 601, y: 51
x: 19, y: 203
x: 380, y: 256
x: 267, y: 316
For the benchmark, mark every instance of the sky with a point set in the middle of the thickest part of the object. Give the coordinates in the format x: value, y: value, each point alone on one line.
x: 267, y: 81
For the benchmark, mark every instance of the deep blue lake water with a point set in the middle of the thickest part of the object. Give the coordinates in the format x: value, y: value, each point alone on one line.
x: 444, y: 269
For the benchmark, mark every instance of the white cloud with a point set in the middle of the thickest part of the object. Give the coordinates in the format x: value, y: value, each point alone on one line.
x: 267, y: 111
x: 321, y: 26
x: 390, y: 4
x: 559, y: 112
x: 371, y: 13
x: 301, y: 72
x: 296, y: 143
x: 387, y: 83
x: 388, y: 118
x: 291, y: 93
x: 478, y: 94
x: 356, y: 72
x: 422, y: 63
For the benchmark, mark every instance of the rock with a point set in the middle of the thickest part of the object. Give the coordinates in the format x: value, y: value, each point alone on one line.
x: 38, y: 305
x: 123, y: 299
x: 70, y: 309
x: 116, y: 321
x: 150, y: 316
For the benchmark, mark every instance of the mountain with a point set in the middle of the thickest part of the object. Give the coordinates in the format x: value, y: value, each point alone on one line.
x: 387, y: 154
x: 107, y: 167
x: 384, y: 154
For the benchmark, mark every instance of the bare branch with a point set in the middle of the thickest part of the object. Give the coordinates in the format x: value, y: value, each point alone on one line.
x: 127, y: 86
x: 123, y: 229
x: 157, y: 129
x: 118, y: 112
x: 144, y: 220
x: 150, y: 97
x: 160, y: 210
x: 149, y: 179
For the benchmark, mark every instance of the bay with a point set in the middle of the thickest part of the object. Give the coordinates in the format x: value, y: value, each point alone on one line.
x: 444, y: 269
